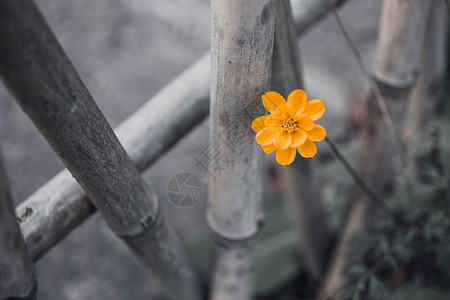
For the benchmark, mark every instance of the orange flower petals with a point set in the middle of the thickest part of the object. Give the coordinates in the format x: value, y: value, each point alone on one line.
x: 317, y: 134
x: 269, y: 149
x: 271, y: 100
x: 314, y: 109
x: 286, y: 156
x: 283, y: 139
x: 297, y: 100
x: 290, y: 126
x: 283, y: 111
x: 308, y: 149
x: 273, y: 123
x: 258, y: 124
x: 298, y: 138
x: 266, y: 137
x: 304, y: 122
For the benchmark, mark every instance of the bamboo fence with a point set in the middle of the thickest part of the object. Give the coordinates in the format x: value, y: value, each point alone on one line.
x: 41, y: 78
x: 103, y: 166
x: 60, y: 205
x: 56, y: 208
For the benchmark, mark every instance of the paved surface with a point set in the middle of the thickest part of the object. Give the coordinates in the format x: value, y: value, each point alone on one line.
x: 125, y: 52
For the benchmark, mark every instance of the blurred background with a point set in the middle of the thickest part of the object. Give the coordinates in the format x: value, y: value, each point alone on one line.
x: 125, y: 52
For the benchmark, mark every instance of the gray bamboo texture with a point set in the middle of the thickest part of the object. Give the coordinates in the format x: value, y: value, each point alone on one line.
x: 41, y: 78
x: 241, y: 59
x: 60, y: 205
x: 17, y: 278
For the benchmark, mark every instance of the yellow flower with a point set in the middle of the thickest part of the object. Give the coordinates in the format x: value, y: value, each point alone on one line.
x: 290, y: 126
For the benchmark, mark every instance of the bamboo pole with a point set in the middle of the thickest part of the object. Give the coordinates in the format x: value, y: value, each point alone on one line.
x: 60, y: 205
x: 300, y: 177
x: 400, y: 40
x: 432, y: 64
x: 51, y: 212
x: 241, y: 56
x: 17, y: 278
x: 37, y: 72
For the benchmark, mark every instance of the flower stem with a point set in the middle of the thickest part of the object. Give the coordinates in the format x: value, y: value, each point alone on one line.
x: 371, y: 195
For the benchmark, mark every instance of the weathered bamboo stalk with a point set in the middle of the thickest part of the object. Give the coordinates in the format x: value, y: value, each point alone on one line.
x: 241, y: 59
x: 51, y: 212
x: 286, y: 63
x: 300, y: 177
x: 432, y: 64
x: 37, y: 72
x: 60, y: 205
x: 400, y: 40
x: 17, y: 278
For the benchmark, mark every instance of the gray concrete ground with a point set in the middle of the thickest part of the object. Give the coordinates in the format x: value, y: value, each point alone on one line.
x: 125, y: 52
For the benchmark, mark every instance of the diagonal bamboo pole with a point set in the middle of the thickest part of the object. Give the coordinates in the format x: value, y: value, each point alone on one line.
x: 37, y: 72
x: 300, y: 177
x: 400, y: 40
x: 60, y: 205
x: 17, y: 278
x: 241, y: 57
x: 51, y: 212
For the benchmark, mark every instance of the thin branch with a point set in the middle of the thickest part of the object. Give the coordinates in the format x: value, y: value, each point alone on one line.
x: 371, y: 195
x: 374, y: 87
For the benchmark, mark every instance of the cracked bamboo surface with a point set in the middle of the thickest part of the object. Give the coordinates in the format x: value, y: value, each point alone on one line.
x: 41, y: 78
x: 60, y: 205
x: 400, y: 40
x: 241, y: 59
x: 17, y: 278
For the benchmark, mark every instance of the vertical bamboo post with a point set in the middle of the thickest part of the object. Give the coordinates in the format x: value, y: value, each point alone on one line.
x: 37, y: 72
x: 16, y: 269
x: 241, y: 56
x: 300, y: 177
x: 401, y: 35
x: 432, y: 64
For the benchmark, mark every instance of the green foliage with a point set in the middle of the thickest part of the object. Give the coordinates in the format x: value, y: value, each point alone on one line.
x: 418, y: 248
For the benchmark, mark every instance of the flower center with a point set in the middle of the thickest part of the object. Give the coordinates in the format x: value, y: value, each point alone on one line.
x: 289, y: 125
